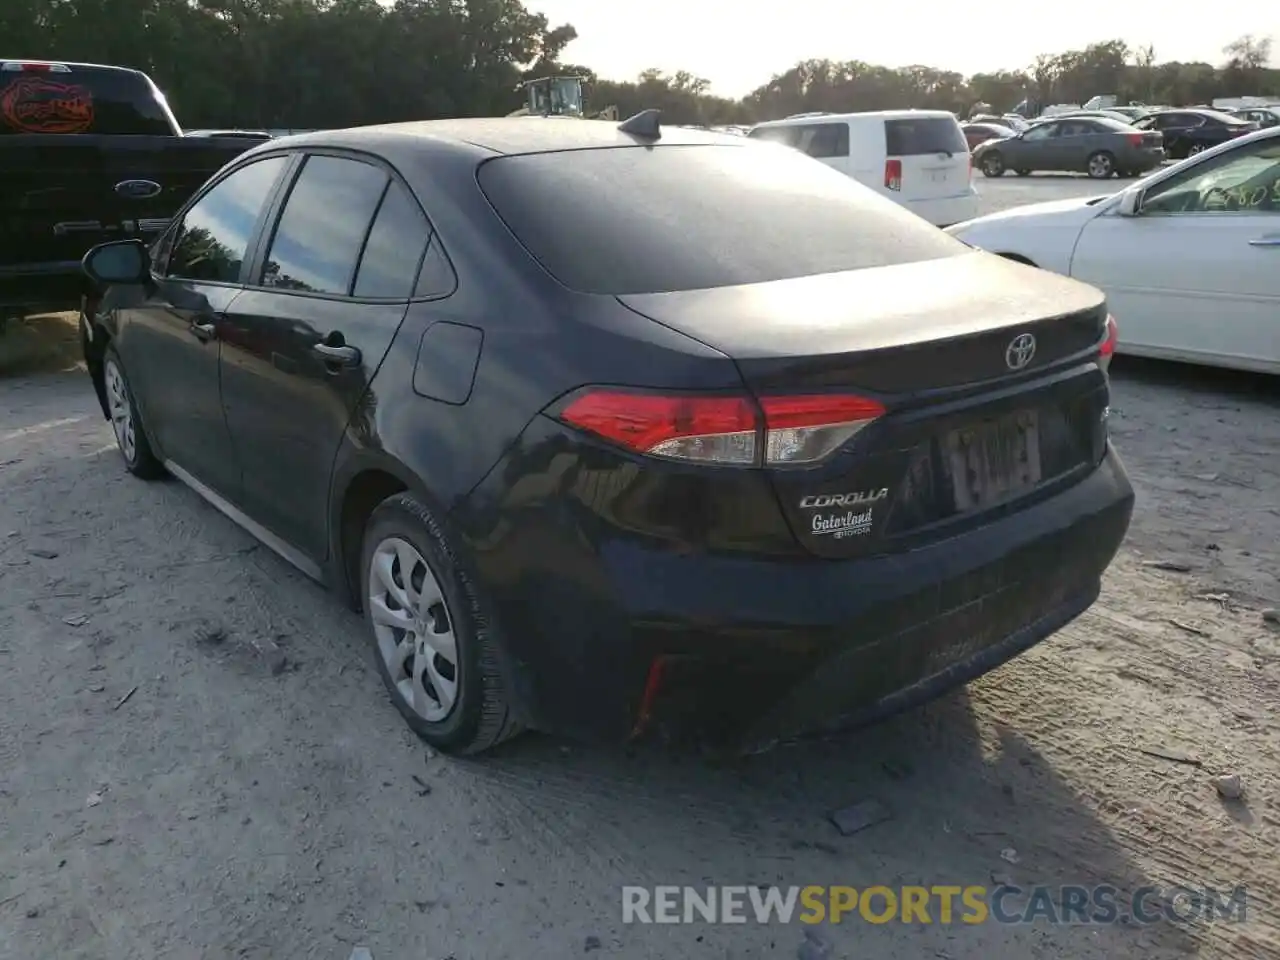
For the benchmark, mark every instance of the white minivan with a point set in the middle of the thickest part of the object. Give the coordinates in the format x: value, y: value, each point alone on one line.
x: 918, y: 158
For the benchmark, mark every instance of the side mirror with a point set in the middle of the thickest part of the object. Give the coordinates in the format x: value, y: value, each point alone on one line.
x: 117, y: 262
x: 1130, y: 203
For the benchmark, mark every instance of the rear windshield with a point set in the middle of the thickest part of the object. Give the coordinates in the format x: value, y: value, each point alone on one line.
x: 84, y: 100
x: 1224, y: 119
x: 653, y: 220
x: 913, y: 136
x: 1106, y: 124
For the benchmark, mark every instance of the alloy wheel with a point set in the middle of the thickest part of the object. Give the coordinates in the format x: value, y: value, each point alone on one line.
x: 1100, y: 167
x: 414, y: 629
x: 121, y: 408
x: 1195, y: 148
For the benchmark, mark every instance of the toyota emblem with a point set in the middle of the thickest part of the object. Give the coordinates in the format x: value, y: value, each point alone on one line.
x: 1020, y: 351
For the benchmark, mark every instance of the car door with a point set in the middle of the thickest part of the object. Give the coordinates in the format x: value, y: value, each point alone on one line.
x: 1071, y: 147
x: 1197, y: 271
x: 169, y: 337
x: 1179, y: 131
x: 305, y: 339
x: 1033, y: 150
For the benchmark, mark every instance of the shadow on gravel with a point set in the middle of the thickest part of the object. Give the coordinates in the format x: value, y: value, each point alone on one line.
x: 969, y: 805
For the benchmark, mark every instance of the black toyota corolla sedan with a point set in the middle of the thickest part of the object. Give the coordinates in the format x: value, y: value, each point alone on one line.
x: 612, y: 429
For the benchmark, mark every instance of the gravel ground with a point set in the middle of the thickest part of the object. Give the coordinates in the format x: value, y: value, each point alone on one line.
x: 197, y: 758
x: 1013, y: 191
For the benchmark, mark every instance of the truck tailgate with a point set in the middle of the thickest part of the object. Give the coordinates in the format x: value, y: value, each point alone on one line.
x: 65, y: 193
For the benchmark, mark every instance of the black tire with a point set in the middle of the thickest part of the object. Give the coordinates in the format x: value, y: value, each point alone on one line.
x: 139, y: 459
x: 1024, y: 173
x: 479, y: 718
x: 992, y: 165
x: 1100, y: 165
x: 1195, y: 149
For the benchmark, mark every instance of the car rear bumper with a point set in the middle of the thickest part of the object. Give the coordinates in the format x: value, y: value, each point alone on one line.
x: 945, y: 211
x: 1142, y: 160
x: 608, y: 635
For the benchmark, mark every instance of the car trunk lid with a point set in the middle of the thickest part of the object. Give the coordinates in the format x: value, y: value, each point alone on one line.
x: 984, y: 369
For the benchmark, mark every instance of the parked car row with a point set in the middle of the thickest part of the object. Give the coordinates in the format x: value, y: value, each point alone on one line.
x: 1189, y: 257
x: 918, y: 158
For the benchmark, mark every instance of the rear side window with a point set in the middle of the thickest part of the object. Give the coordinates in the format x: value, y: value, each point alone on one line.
x: 389, y: 264
x: 214, y: 236
x: 1108, y: 125
x: 323, y: 226
x: 82, y: 100
x: 786, y: 135
x: 915, y: 136
x: 823, y: 140
x: 656, y: 219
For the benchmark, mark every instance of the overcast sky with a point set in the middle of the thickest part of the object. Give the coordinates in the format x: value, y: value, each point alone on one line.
x: 739, y: 44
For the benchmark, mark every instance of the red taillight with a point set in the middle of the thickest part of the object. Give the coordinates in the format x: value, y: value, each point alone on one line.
x: 1136, y: 139
x: 1108, y: 348
x: 893, y: 174
x: 806, y: 429
x: 781, y: 430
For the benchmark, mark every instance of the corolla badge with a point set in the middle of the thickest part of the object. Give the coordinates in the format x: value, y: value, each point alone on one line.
x: 138, y: 189
x: 1020, y: 351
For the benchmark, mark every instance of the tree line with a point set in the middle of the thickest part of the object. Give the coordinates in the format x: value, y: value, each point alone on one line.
x: 331, y: 63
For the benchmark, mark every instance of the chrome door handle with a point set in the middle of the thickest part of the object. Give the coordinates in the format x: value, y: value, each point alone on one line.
x: 1265, y: 242
x: 345, y: 356
x: 204, y: 332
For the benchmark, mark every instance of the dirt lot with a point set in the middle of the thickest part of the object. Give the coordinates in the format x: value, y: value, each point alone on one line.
x: 1011, y: 191
x: 197, y: 758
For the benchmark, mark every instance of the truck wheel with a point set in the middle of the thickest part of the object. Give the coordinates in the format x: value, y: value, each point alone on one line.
x: 432, y: 633
x: 993, y: 165
x: 1101, y: 165
x: 131, y: 438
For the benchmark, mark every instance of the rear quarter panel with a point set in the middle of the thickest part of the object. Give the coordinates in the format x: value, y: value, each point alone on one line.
x: 540, y: 341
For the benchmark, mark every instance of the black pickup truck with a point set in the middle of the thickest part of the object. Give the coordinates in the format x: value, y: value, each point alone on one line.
x: 87, y: 153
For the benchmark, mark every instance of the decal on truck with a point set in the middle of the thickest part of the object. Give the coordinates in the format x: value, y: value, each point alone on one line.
x: 38, y: 105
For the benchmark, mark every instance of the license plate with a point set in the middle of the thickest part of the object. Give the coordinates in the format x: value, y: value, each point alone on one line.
x: 939, y: 178
x: 995, y: 461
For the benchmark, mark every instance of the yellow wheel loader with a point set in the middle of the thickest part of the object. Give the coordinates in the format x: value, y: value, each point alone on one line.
x: 559, y: 97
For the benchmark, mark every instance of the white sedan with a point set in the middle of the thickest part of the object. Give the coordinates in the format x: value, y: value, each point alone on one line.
x: 1189, y: 257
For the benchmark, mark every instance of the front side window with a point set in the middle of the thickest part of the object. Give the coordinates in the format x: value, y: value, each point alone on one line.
x: 213, y: 239
x: 322, y: 230
x: 1244, y: 181
x: 1042, y: 132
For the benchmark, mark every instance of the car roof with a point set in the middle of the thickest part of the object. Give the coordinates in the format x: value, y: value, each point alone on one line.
x: 869, y: 114
x: 489, y: 136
